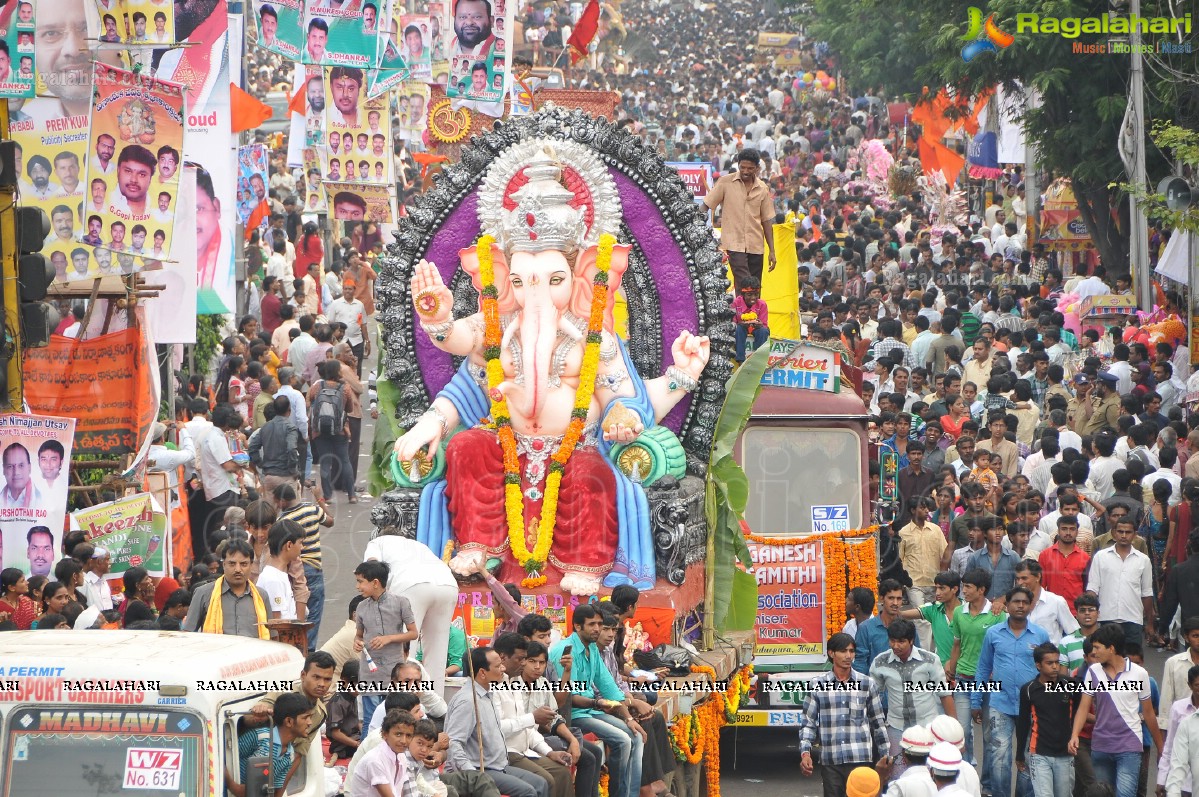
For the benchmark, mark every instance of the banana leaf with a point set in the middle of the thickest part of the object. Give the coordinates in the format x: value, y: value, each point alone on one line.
x: 735, y: 595
x: 387, y: 431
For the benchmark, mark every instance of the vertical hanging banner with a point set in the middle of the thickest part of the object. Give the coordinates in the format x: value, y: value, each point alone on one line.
x: 51, y: 134
x: 36, y: 450
x: 251, y: 179
x: 171, y: 315
x: 341, y: 33
x: 141, y: 118
x: 417, y: 45
x: 440, y: 43
x: 479, y: 62
x: 17, y: 73
x: 412, y: 101
x: 393, y: 68
x: 279, y: 26
x: 202, y: 67
x: 357, y: 130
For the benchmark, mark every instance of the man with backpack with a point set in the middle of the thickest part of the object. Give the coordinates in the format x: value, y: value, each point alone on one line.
x: 274, y: 448
x: 330, y: 401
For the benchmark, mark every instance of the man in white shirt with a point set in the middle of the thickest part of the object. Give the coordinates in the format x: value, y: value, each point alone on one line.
x: 1167, y: 456
x: 1104, y: 465
x: 165, y: 460
x: 95, y: 587
x: 352, y: 313
x: 1122, y: 577
x: 1049, y: 610
x: 283, y: 546
x: 277, y: 267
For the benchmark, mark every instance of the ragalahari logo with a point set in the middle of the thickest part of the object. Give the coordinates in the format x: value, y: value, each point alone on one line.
x: 984, y: 37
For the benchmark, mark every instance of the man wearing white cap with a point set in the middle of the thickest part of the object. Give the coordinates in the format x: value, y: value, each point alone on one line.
x: 948, y: 729
x: 95, y: 587
x: 945, y: 768
x: 915, y: 745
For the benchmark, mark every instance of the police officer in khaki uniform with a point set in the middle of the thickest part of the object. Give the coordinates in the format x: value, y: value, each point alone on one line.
x: 1104, y: 413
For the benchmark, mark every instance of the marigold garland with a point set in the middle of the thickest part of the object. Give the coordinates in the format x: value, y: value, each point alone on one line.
x: 850, y: 560
x: 603, y: 785
x: 534, y: 561
x: 696, y: 736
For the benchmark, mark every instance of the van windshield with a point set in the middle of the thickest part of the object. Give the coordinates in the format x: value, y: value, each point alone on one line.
x: 793, y: 469
x: 57, y: 750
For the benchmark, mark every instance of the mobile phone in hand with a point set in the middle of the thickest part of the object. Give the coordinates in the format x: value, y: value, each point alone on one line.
x: 566, y: 650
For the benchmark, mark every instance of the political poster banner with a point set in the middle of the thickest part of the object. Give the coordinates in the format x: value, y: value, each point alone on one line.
x: 341, y: 33
x: 357, y: 130
x: 17, y: 64
x: 479, y: 53
x: 279, y: 26
x: 36, y: 453
x: 417, y: 45
x: 137, y: 129
x: 251, y: 179
x: 790, y: 621
x: 358, y: 202
x: 108, y: 384
x: 133, y: 530
x: 392, y: 67
x: 698, y: 177
x: 203, y: 67
x: 412, y: 102
x: 143, y: 23
x: 171, y: 316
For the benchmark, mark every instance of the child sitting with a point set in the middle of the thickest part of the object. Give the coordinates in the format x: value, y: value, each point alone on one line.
x: 751, y: 316
x: 424, y: 761
x: 342, y: 725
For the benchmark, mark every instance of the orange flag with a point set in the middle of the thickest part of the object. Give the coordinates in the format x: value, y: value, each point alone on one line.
x: 299, y: 101
x: 248, y: 111
x: 256, y: 216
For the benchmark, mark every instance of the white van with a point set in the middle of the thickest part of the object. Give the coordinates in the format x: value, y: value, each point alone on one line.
x: 151, y: 713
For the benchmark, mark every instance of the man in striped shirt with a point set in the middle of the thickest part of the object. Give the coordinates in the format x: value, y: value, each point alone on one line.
x: 843, y: 711
x: 1086, y: 609
x: 310, y: 517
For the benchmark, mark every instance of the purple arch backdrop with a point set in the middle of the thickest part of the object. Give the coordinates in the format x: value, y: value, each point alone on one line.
x: 644, y: 220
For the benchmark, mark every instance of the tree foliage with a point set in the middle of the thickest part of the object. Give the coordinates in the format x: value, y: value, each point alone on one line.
x: 906, y: 45
x: 1183, y: 145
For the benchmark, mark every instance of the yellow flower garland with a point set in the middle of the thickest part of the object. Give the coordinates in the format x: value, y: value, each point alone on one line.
x: 704, y: 722
x: 534, y: 561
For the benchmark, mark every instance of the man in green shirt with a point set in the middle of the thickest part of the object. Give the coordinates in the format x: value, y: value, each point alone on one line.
x: 940, y: 613
x: 1086, y: 609
x: 969, y: 625
x: 607, y: 716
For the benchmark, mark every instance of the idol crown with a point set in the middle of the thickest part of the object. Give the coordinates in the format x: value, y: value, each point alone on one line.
x: 543, y: 219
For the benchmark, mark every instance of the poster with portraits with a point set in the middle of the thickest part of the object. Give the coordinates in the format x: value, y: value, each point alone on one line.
x: 441, y: 43
x: 133, y: 182
x: 358, y: 202
x: 251, y: 179
x: 171, y: 316
x: 357, y: 130
x: 279, y: 26
x: 36, y: 450
x: 341, y: 33
x: 206, y: 72
x: 412, y: 105
x: 17, y: 72
x: 480, y: 51
x: 416, y: 42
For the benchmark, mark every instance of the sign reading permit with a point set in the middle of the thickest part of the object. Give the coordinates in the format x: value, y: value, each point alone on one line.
x: 831, y: 518
x: 803, y: 366
x: 152, y: 768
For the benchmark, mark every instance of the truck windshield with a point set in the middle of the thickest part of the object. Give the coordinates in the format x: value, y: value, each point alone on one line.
x: 793, y: 469
x: 56, y: 750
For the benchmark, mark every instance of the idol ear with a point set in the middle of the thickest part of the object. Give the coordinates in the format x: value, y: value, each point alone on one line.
x: 469, y: 258
x: 584, y: 278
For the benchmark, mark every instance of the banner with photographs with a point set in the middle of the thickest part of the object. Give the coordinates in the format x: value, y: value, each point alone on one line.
x: 133, y: 530
x: 204, y: 69
x: 412, y: 104
x: 440, y: 44
x: 479, y: 51
x: 358, y: 202
x: 417, y: 45
x: 17, y: 73
x: 51, y: 134
x: 393, y: 68
x: 357, y: 130
x: 33, y: 499
x: 341, y: 33
x: 251, y: 179
x: 279, y: 26
x: 137, y: 133
x: 138, y: 22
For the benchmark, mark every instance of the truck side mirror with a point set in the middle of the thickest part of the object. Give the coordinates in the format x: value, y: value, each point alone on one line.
x: 258, y: 777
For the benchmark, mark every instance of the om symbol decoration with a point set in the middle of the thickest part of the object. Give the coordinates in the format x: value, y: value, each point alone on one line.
x: 447, y: 125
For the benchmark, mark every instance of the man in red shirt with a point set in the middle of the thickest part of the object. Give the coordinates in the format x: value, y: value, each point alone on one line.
x: 1064, y: 563
x: 270, y: 305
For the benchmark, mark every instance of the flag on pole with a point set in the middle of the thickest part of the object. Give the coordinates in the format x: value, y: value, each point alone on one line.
x: 584, y: 32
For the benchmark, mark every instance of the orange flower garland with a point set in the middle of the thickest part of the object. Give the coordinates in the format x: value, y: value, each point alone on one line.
x: 696, y: 736
x: 603, y: 785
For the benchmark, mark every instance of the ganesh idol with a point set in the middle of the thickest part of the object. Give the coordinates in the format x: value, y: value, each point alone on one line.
x: 547, y: 396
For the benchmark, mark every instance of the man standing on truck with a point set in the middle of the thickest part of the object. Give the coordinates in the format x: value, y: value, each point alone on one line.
x: 231, y: 604
x: 852, y: 732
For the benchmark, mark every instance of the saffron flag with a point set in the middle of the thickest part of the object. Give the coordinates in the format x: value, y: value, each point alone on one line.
x: 584, y: 32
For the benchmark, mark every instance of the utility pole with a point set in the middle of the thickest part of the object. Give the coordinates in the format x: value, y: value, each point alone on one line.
x: 1139, y: 225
